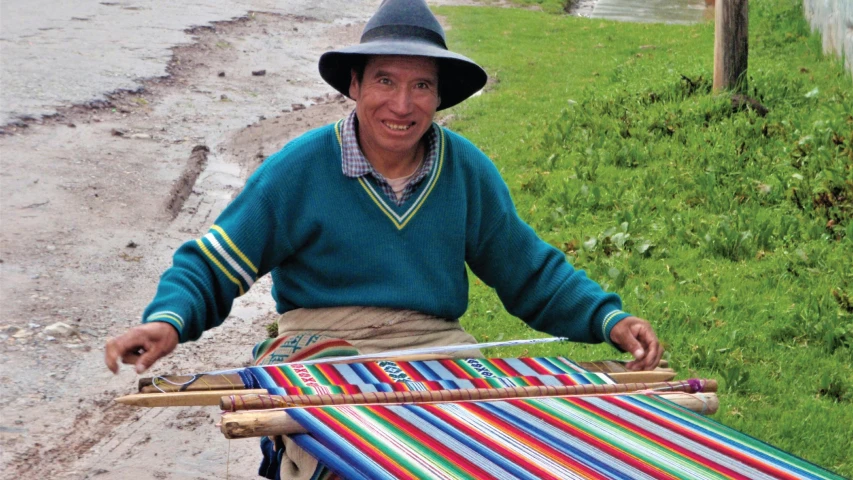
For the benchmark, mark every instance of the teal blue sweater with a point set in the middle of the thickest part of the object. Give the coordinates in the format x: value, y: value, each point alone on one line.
x: 330, y: 240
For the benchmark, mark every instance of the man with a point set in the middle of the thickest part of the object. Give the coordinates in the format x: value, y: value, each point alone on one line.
x: 367, y: 225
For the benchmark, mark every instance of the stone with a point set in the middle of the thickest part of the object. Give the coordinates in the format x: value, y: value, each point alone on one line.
x: 60, y: 329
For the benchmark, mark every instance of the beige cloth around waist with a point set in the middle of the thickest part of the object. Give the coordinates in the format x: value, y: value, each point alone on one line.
x: 374, y: 329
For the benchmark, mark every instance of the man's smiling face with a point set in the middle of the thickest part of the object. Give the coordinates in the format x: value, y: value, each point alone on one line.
x: 396, y: 101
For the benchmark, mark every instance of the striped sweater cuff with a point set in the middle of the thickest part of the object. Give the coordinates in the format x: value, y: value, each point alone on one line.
x: 610, y: 320
x: 171, y: 318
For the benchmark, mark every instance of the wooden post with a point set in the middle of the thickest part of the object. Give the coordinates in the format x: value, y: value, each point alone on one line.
x: 731, y: 44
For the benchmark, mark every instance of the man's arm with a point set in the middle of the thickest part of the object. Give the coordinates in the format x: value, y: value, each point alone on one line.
x: 537, y: 284
x: 196, y: 293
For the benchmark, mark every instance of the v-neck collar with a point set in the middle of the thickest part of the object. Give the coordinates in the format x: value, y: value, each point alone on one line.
x: 402, y: 215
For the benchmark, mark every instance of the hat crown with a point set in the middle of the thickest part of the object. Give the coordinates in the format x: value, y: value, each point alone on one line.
x: 410, y: 19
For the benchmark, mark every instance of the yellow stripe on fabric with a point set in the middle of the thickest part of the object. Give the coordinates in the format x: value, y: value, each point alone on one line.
x: 166, y: 316
x: 234, y: 247
x: 221, y: 267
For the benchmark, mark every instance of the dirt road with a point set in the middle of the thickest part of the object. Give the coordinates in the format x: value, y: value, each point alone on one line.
x: 95, y: 199
x: 87, y: 215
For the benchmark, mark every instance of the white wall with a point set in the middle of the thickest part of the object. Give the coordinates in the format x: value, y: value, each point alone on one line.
x: 834, y: 18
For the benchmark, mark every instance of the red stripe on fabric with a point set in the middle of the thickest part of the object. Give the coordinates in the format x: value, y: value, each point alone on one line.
x: 278, y: 377
x: 411, y: 370
x: 477, y: 437
x: 416, y: 433
x: 504, y: 367
x: 591, y: 440
x: 512, y: 431
x: 367, y: 448
x: 331, y: 374
x: 455, y: 369
x: 584, y: 404
x: 378, y: 372
x: 528, y: 439
x: 727, y: 450
x: 536, y: 366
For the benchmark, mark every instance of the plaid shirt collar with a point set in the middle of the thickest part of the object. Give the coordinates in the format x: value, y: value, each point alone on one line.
x: 355, y: 164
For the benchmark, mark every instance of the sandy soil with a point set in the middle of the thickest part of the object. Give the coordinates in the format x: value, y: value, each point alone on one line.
x: 94, y: 201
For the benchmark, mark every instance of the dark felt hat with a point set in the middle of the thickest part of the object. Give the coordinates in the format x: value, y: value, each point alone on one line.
x: 406, y: 27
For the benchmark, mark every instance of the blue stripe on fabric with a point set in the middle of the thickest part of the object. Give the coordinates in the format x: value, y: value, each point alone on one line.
x: 363, y: 373
x: 520, y: 367
x: 337, y: 453
x: 327, y: 457
x: 554, y: 366
x: 249, y: 380
x: 437, y: 370
x: 562, y: 442
x: 736, y: 443
x: 263, y: 379
x: 349, y: 374
x: 407, y: 414
x: 468, y: 442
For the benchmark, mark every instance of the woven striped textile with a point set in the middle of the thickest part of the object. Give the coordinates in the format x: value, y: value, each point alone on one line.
x: 609, y: 436
x: 418, y: 375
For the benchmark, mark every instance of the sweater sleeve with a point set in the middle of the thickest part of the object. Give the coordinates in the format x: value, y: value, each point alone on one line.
x: 533, y: 279
x: 246, y: 241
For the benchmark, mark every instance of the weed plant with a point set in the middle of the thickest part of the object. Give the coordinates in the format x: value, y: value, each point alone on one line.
x: 729, y: 228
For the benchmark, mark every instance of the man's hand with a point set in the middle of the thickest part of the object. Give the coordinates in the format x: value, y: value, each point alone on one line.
x: 636, y: 336
x: 142, y: 346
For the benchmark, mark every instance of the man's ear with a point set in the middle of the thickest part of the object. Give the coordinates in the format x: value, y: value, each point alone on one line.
x: 353, y: 85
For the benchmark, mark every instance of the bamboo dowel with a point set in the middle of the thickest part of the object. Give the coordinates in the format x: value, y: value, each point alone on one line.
x: 613, y: 366
x: 232, y: 381
x: 180, y: 399
x: 643, y: 376
x: 262, y: 401
x: 262, y: 423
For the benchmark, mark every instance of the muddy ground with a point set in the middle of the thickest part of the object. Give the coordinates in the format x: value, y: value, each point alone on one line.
x: 94, y: 201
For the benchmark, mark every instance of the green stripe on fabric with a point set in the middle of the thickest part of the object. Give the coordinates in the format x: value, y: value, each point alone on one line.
x: 736, y: 437
x: 624, y: 440
x: 414, y: 443
x: 357, y: 428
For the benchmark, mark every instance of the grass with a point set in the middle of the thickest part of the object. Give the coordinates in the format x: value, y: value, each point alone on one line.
x: 731, y: 232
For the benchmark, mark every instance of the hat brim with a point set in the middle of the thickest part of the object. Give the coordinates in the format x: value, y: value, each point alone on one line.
x: 460, y: 76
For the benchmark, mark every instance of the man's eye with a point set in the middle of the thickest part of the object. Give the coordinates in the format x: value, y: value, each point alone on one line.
x: 422, y: 85
x: 385, y: 81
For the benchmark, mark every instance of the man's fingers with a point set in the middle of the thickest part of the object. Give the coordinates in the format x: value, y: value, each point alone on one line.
x: 647, y: 337
x: 111, y: 356
x: 130, y: 358
x: 148, y: 357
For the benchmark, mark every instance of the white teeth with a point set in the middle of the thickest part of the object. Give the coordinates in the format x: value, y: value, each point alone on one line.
x: 397, y: 127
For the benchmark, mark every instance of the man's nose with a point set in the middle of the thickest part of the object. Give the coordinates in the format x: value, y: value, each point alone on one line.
x: 401, y: 102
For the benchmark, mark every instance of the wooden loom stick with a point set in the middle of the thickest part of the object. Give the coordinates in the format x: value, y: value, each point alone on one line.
x: 232, y: 381
x: 263, y: 401
x: 262, y: 423
x: 180, y: 399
